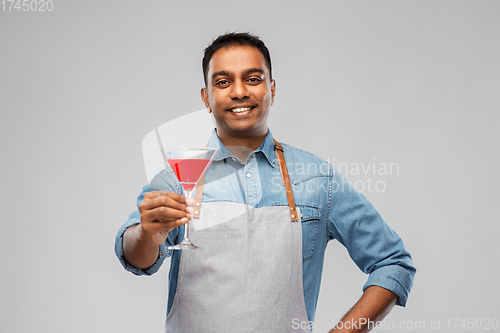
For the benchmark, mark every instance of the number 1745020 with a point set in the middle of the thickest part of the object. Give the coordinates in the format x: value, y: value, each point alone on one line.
x: 27, y: 5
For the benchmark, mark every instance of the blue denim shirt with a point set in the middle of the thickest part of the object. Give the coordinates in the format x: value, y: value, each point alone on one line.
x: 330, y: 209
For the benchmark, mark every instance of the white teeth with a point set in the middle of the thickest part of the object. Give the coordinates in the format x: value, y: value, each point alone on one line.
x: 240, y: 109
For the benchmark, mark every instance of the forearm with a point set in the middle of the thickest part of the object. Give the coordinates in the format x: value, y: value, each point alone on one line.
x: 373, y: 306
x: 136, y: 251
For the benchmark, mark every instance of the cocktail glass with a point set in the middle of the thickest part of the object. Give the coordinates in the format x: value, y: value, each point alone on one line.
x: 188, y: 164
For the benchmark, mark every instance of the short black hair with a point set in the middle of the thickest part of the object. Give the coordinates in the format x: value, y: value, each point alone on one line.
x: 234, y: 39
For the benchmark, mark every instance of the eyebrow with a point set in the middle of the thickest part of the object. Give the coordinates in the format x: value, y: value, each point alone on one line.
x: 254, y: 70
x: 219, y: 73
x: 247, y: 71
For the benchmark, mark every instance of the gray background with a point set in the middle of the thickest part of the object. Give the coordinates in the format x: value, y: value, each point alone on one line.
x: 409, y: 82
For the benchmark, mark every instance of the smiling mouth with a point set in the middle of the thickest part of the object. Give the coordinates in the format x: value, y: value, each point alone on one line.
x: 238, y: 110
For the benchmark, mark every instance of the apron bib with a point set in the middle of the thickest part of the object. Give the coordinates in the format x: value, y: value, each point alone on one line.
x: 248, y: 278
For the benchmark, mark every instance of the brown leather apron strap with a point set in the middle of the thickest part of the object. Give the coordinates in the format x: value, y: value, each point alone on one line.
x: 198, y: 196
x: 286, y: 180
x: 284, y: 177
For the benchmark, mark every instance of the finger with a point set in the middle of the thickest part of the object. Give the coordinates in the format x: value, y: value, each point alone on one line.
x: 162, y: 214
x: 164, y: 226
x: 153, y: 194
x: 190, y: 202
x: 175, y: 196
x: 162, y: 201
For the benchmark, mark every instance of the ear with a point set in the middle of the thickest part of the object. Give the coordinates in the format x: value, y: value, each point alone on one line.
x: 273, y: 91
x: 204, y: 98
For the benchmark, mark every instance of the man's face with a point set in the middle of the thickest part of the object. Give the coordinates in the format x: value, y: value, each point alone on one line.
x: 239, y: 92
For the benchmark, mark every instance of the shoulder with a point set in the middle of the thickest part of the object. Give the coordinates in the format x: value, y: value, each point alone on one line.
x: 301, y: 162
x: 295, y: 154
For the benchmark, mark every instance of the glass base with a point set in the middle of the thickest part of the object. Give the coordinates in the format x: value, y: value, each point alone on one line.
x: 184, y: 245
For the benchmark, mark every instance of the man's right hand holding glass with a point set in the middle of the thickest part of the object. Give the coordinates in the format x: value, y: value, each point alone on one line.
x: 161, y: 212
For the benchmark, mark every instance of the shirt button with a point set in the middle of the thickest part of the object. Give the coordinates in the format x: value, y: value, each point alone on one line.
x: 249, y: 175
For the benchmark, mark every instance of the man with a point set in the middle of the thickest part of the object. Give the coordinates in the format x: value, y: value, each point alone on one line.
x: 261, y: 268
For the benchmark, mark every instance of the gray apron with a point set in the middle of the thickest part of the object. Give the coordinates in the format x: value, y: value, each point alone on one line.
x: 248, y: 278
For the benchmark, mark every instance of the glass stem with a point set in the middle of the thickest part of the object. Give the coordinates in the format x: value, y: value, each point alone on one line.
x: 186, y: 228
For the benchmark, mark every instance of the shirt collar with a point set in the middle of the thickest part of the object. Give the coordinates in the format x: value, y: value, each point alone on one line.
x: 267, y: 148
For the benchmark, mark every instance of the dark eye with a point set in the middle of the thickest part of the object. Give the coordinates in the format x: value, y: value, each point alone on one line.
x: 222, y: 83
x: 254, y: 80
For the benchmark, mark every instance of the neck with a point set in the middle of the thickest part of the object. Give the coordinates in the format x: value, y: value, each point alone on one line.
x: 241, y: 147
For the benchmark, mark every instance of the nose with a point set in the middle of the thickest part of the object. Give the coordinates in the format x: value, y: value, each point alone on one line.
x: 239, y: 90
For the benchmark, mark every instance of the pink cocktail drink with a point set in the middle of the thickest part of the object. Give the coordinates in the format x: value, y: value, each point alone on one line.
x: 189, y: 171
x: 189, y: 165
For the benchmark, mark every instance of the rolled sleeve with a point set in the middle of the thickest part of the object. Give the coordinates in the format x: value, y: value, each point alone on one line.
x: 394, y: 278
x: 375, y: 248
x: 133, y: 219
